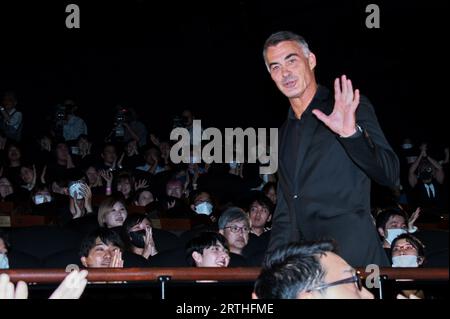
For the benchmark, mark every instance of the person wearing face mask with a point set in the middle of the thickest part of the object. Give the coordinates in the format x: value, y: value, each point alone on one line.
x: 392, y: 223
x: 4, y: 262
x: 408, y: 251
x: 142, y: 239
x: 201, y: 205
x: 138, y: 235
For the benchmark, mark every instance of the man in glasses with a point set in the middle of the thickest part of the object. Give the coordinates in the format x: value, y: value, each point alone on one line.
x: 308, y: 271
x: 234, y: 225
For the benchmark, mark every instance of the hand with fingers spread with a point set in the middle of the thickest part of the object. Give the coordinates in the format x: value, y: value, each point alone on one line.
x: 72, y: 286
x: 108, y: 177
x: 142, y: 183
x: 8, y: 291
x: 342, y: 120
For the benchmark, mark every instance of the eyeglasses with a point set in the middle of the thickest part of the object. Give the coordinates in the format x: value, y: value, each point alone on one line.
x: 235, y: 229
x: 356, y: 279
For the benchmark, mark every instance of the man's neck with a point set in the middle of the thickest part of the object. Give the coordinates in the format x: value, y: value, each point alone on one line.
x: 257, y: 231
x: 137, y: 251
x: 301, y: 103
x: 236, y: 251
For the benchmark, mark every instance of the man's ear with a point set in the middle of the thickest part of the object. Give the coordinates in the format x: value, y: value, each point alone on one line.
x: 312, y: 61
x: 193, y: 207
x: 198, y: 258
x: 270, y: 218
x: 381, y: 232
x: 84, y: 261
x: 254, y: 296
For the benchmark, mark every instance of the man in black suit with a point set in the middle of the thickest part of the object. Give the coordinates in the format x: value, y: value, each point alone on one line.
x: 330, y: 149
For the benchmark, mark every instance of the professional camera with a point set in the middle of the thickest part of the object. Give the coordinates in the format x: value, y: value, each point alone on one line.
x: 60, y: 113
x: 179, y: 121
x: 120, y: 118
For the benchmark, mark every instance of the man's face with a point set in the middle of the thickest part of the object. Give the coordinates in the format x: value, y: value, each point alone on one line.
x: 236, y: 233
x: 214, y: 256
x: 395, y: 221
x: 145, y: 198
x: 62, y: 152
x: 109, y: 154
x: 92, y: 175
x: 116, y: 216
x: 272, y: 194
x: 14, y: 153
x: 174, y: 189
x: 8, y: 102
x: 259, y: 215
x: 27, y: 175
x: 291, y: 71
x: 337, y: 269
x: 100, y: 256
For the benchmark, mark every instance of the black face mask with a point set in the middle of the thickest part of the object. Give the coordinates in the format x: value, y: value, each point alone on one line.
x: 137, y: 238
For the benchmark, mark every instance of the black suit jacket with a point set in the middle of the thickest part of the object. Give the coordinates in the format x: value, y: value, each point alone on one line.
x: 328, y: 194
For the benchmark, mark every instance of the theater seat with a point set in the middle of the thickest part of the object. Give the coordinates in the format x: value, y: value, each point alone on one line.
x: 43, y: 241
x: 20, y: 260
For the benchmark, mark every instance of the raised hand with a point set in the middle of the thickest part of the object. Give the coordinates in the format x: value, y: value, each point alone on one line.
x: 342, y: 120
x: 44, y: 172
x: 142, y: 183
x: 8, y: 291
x: 413, y: 219
x: 72, y: 286
x: 150, y: 247
x: 116, y: 261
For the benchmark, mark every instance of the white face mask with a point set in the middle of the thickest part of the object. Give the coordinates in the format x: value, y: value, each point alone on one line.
x: 394, y: 233
x: 405, y: 261
x: 204, y: 208
x: 234, y: 165
x: 4, y: 264
x: 407, y: 146
x: 40, y: 199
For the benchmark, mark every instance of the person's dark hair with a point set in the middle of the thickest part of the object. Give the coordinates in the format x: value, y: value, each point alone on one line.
x: 292, y: 269
x: 414, y: 241
x: 383, y: 217
x: 107, y: 236
x: 282, y: 36
x: 232, y: 214
x: 203, y: 241
x: 131, y: 221
x: 266, y: 188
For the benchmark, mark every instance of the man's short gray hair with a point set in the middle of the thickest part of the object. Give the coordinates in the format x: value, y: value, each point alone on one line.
x: 281, y: 36
x: 232, y: 214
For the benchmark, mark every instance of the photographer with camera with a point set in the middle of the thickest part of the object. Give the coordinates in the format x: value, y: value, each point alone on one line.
x: 10, y: 117
x: 74, y: 126
x: 426, y: 178
x: 127, y: 127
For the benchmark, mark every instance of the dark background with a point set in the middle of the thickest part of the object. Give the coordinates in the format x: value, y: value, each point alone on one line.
x: 162, y: 57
